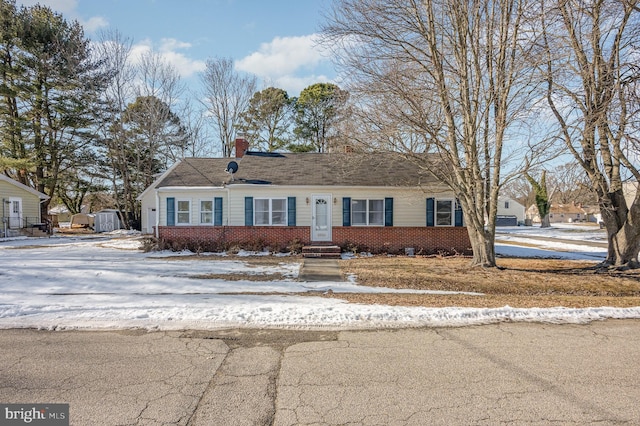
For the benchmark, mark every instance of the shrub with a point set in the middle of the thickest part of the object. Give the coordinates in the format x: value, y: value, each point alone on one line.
x: 148, y: 244
x: 295, y: 246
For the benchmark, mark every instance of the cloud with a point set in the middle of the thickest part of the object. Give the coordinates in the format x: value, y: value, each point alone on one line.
x: 93, y: 24
x: 291, y: 63
x: 168, y: 48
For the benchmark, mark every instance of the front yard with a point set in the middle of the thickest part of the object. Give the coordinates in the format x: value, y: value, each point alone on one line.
x: 521, y: 283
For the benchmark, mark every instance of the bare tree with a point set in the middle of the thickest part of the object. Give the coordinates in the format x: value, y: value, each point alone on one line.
x: 591, y: 70
x: 142, y: 134
x: 115, y: 51
x: 227, y: 94
x: 194, y: 120
x: 520, y: 190
x: 446, y: 77
x: 571, y: 184
x: 157, y: 98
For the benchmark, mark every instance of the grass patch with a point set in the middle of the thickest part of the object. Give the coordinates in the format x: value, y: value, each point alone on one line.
x: 519, y: 283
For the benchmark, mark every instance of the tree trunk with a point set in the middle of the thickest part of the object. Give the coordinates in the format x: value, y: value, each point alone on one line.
x: 623, y: 229
x: 624, y: 246
x: 483, y: 246
x: 545, y: 221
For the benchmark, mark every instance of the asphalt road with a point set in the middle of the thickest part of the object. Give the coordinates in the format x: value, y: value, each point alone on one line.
x: 483, y: 375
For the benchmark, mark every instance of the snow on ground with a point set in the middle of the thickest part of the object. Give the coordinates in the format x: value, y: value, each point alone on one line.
x: 561, y: 241
x: 105, y: 282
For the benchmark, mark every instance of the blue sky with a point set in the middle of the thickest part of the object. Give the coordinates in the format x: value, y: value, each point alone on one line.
x: 273, y: 39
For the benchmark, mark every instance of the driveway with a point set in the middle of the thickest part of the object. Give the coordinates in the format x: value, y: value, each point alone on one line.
x: 505, y: 373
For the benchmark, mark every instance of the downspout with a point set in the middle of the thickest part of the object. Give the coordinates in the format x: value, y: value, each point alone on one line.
x: 228, y: 204
x: 4, y: 217
x: 157, y: 224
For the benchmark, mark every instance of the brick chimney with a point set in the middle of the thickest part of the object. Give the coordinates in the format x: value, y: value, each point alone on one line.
x: 242, y: 146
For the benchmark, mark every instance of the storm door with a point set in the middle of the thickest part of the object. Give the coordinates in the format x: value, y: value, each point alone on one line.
x: 15, y: 213
x: 321, y: 218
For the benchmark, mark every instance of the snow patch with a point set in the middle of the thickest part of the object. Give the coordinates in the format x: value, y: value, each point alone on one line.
x: 106, y: 282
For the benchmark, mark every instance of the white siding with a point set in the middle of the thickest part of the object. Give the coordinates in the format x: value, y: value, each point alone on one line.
x: 148, y: 201
x: 515, y: 208
x: 630, y: 190
x: 409, y: 205
x: 30, y: 202
x: 194, y: 196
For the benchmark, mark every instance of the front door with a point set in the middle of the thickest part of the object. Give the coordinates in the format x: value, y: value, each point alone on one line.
x: 321, y: 218
x: 15, y: 213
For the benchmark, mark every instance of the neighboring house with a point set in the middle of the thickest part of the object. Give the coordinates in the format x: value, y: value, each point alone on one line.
x: 630, y: 191
x: 560, y: 213
x: 593, y: 214
x: 377, y: 202
x: 510, y: 212
x: 20, y: 207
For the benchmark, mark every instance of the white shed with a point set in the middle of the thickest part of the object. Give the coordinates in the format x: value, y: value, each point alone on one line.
x: 107, y: 220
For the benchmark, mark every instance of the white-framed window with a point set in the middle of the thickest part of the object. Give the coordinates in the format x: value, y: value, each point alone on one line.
x: 183, y: 212
x: 506, y: 204
x: 444, y: 212
x: 367, y: 212
x: 270, y: 211
x: 206, y: 212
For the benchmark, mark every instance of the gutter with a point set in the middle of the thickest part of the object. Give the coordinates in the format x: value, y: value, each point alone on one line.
x: 4, y: 217
x: 228, y: 204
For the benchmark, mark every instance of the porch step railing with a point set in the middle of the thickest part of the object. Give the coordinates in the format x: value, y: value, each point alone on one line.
x: 29, y: 226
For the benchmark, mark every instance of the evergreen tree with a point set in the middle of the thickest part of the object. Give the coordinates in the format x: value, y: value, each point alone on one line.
x: 265, y: 124
x: 318, y: 113
x: 50, y: 83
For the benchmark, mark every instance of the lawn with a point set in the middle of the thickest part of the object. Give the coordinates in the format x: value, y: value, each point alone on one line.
x: 519, y: 283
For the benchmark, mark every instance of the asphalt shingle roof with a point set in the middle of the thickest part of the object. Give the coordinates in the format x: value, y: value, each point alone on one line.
x: 301, y: 169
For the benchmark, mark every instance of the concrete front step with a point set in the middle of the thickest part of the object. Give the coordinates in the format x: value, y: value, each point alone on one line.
x: 321, y: 251
x: 32, y: 232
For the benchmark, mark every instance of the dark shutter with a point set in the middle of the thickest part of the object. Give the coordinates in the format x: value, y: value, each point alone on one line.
x: 346, y: 211
x: 388, y: 212
x: 171, y: 211
x: 248, y: 211
x: 430, y: 211
x: 458, y: 214
x: 291, y: 211
x: 217, y: 211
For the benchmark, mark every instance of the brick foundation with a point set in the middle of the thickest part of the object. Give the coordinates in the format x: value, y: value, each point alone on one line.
x: 426, y: 240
